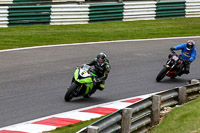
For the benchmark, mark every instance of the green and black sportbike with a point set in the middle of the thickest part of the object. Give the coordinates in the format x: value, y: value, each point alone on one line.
x: 82, y: 83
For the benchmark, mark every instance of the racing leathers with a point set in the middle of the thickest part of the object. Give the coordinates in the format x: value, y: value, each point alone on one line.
x: 101, y: 72
x: 188, y: 55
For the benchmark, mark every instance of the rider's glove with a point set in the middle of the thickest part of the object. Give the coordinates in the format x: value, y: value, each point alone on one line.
x: 96, y: 80
x: 172, y: 49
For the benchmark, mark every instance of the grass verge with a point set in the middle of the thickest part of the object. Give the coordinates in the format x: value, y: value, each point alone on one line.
x: 27, y: 36
x: 183, y: 119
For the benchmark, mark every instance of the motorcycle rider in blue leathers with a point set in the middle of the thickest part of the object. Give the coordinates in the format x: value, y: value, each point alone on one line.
x: 188, y: 53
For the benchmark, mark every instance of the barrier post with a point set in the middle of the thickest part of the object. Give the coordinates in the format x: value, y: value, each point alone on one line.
x: 92, y: 129
x: 194, y: 81
x: 126, y: 120
x: 182, y: 95
x: 156, y: 103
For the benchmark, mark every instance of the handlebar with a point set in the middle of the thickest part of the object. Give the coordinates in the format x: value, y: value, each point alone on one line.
x: 172, y: 51
x: 179, y: 56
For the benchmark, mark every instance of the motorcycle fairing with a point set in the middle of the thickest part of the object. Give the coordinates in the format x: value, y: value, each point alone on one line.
x: 84, y: 78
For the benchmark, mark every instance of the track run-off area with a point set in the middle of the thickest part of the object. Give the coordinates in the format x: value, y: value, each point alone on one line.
x: 33, y: 81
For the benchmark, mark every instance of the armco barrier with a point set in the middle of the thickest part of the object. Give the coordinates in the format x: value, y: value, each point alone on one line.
x: 167, y: 9
x: 106, y: 12
x: 139, y: 116
x: 82, y: 14
x: 139, y: 11
x: 30, y: 1
x: 68, y: 1
x: 6, y: 2
x: 69, y: 14
x: 29, y: 15
x: 4, y: 16
x: 35, y: 1
x: 193, y: 8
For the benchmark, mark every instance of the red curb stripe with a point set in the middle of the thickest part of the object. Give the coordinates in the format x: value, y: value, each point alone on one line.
x: 8, y: 131
x: 132, y: 100
x: 58, y: 122
x: 100, y: 110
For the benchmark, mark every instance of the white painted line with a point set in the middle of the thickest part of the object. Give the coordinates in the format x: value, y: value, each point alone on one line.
x: 118, y: 105
x: 90, y: 43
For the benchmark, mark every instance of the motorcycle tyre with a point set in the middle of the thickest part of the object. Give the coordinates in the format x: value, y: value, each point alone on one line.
x: 161, y: 74
x: 69, y: 93
x: 173, y: 77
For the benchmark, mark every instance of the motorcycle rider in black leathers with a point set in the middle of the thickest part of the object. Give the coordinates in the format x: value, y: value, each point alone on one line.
x: 102, y: 69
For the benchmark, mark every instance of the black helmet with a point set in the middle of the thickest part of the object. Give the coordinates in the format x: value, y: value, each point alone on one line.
x: 101, y: 57
x: 190, y: 44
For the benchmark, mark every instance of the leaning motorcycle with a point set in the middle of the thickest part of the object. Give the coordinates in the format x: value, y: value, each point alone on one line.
x: 82, y: 83
x: 173, y: 67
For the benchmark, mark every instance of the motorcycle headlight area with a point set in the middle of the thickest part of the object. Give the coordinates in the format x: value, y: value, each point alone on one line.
x: 175, y: 58
x: 84, y: 73
x: 170, y: 62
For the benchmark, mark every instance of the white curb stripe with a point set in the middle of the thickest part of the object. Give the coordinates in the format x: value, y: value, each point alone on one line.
x: 118, y: 105
x: 30, y: 128
x: 83, y: 116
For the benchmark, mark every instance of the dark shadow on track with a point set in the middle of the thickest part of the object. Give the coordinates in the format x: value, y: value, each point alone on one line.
x: 176, y: 80
x: 86, y: 100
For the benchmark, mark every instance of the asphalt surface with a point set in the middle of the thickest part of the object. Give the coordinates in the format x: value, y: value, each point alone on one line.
x: 33, y: 82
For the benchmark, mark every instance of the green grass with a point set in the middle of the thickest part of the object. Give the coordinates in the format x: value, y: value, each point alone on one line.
x: 184, y: 119
x: 26, y: 36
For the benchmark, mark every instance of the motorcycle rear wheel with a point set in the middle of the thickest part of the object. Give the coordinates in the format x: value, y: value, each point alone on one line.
x: 161, y: 74
x: 69, y: 93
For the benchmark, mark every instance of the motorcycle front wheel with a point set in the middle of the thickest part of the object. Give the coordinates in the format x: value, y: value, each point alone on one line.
x: 161, y: 74
x: 69, y: 93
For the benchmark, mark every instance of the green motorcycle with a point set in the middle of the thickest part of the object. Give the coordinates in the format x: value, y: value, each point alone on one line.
x: 82, y: 83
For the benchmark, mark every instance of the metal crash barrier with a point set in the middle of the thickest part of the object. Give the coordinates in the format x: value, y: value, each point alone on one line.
x: 63, y: 12
x: 140, y: 116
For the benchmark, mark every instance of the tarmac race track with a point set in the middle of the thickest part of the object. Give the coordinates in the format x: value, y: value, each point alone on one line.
x: 33, y: 82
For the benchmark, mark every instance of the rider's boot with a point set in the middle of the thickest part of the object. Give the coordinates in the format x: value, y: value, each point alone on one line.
x: 187, y: 71
x: 180, y: 73
x: 101, y: 86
